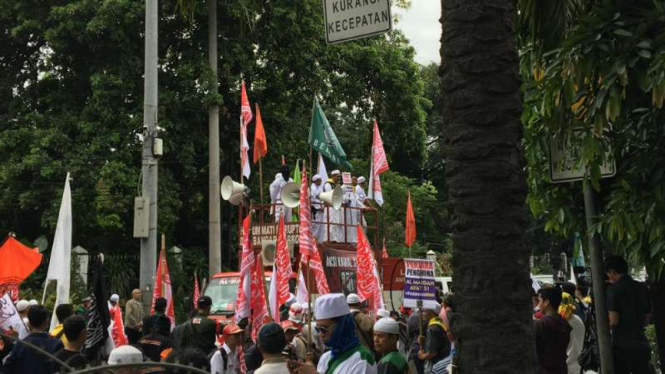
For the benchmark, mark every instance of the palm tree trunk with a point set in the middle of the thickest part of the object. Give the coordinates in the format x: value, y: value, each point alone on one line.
x: 485, y: 163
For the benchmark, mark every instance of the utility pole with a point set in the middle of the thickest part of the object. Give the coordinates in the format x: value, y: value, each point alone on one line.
x: 214, y: 229
x: 598, y: 283
x: 149, y: 161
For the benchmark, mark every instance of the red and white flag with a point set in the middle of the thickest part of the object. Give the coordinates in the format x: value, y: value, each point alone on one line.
x: 367, y: 281
x: 379, y: 164
x: 281, y: 273
x: 241, y: 359
x: 245, y: 118
x: 196, y: 290
x: 163, y: 287
x: 310, y: 253
x: 247, y: 265
x: 258, y: 303
x: 118, y: 329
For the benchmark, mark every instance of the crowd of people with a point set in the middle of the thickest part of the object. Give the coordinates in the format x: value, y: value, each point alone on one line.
x: 328, y: 224
x: 339, y: 337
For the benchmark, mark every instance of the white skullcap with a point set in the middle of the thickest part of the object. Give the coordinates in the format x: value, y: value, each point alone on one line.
x: 335, y: 172
x: 352, y: 299
x: 316, y: 177
x: 115, y: 297
x: 361, y: 179
x: 383, y: 313
x: 436, y: 309
x: 125, y: 355
x: 33, y: 302
x: 22, y: 305
x: 331, y: 305
x: 387, y: 325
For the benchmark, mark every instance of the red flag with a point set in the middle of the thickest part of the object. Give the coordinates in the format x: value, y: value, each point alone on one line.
x: 384, y: 252
x: 410, y: 235
x: 241, y: 359
x: 310, y: 253
x: 245, y: 119
x: 118, y: 330
x: 281, y: 273
x: 163, y: 287
x: 196, y: 290
x: 247, y: 265
x: 260, y: 141
x: 379, y: 165
x: 17, y: 262
x: 366, y: 282
x: 259, y: 305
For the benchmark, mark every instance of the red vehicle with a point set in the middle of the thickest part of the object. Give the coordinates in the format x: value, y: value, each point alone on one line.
x: 222, y: 289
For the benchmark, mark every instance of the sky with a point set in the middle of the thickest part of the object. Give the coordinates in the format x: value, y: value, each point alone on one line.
x: 420, y: 24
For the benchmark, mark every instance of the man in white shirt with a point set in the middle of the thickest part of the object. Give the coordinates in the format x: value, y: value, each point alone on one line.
x: 336, y: 328
x: 276, y: 186
x: 225, y: 359
x: 317, y: 212
x: 334, y: 217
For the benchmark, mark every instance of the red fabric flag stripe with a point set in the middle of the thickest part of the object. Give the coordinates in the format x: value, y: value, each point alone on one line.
x: 380, y: 162
x: 283, y: 265
x: 260, y: 140
x: 410, y: 235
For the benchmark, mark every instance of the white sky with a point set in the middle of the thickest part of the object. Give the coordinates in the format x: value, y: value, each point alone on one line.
x: 420, y: 24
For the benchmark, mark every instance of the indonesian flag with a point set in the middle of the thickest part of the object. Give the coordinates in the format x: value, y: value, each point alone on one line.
x: 163, y: 287
x: 196, y: 290
x: 258, y: 301
x: 260, y: 141
x: 281, y: 273
x: 118, y: 329
x: 367, y: 282
x: 379, y: 164
x: 310, y: 253
x: 384, y: 251
x: 410, y: 230
x: 247, y: 265
x: 245, y: 119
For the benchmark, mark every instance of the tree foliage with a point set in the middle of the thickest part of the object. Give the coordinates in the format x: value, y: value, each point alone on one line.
x: 598, y: 82
x: 71, y: 99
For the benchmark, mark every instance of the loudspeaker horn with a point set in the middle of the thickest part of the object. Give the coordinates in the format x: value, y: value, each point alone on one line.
x: 230, y: 188
x: 333, y: 198
x: 290, y: 195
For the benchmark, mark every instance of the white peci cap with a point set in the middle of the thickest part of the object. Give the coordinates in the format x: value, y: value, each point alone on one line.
x: 436, y: 309
x: 383, y: 313
x: 361, y: 179
x: 316, y: 177
x: 335, y: 172
x: 22, y: 305
x: 125, y: 354
x: 387, y: 325
x: 33, y: 302
x: 331, y: 305
x: 352, y: 299
x: 115, y: 297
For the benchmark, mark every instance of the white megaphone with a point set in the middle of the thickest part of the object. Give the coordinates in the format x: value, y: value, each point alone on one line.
x: 231, y: 188
x: 333, y: 197
x: 290, y: 195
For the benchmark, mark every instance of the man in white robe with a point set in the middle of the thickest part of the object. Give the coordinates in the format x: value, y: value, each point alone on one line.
x: 276, y: 194
x: 334, y: 217
x: 317, y: 212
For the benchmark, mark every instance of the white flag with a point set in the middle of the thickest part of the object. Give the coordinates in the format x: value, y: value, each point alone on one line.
x: 301, y: 292
x: 272, y: 293
x: 59, y: 267
x: 321, y: 170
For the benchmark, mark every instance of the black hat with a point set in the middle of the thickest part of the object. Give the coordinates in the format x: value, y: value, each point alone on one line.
x: 204, y: 302
x: 271, y: 338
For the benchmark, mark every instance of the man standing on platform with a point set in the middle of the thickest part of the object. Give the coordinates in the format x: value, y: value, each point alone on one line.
x: 134, y: 317
x: 317, y: 212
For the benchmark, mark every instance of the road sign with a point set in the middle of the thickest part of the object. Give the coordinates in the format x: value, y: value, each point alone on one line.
x: 565, y: 165
x: 355, y: 19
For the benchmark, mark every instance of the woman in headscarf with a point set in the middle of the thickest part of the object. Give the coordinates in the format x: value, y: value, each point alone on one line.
x: 335, y: 326
x: 567, y: 312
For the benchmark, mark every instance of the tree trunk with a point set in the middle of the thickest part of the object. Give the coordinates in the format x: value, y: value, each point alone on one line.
x: 485, y: 164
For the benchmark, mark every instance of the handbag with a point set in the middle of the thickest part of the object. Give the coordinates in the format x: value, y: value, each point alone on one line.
x: 589, y: 357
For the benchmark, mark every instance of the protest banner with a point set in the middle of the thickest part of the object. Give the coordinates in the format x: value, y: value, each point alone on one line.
x: 9, y: 317
x: 419, y: 286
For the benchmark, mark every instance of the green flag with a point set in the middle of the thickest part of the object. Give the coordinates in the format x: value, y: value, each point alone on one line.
x: 296, y: 180
x: 323, y: 140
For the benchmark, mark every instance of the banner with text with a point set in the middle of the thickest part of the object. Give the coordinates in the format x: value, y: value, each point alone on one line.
x: 419, y: 283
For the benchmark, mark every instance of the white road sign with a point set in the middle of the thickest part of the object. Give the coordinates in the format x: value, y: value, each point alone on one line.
x: 565, y: 165
x: 355, y: 19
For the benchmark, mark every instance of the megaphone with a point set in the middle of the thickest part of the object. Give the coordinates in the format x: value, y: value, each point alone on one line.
x: 290, y: 195
x: 333, y: 197
x: 230, y: 188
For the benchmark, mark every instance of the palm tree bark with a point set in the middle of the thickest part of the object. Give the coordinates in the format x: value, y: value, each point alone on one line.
x: 481, y: 143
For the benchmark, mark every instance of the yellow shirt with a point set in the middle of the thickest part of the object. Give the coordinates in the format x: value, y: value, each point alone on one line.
x: 57, y: 330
